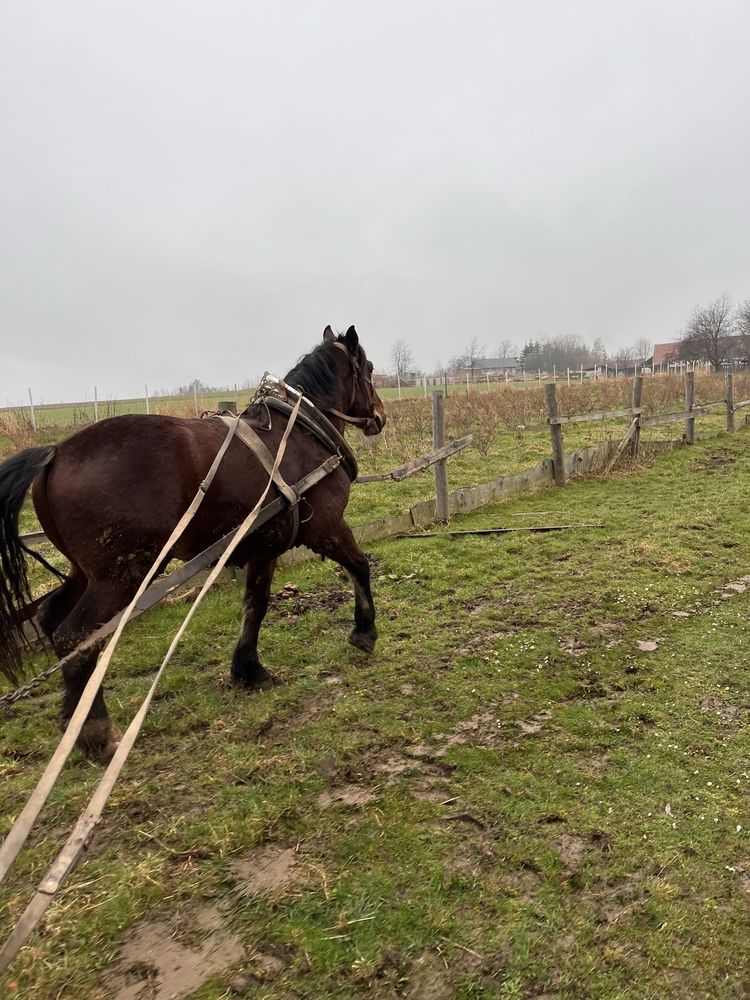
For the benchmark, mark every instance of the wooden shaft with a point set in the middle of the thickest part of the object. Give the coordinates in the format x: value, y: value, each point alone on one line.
x: 441, y: 470
x: 556, y: 435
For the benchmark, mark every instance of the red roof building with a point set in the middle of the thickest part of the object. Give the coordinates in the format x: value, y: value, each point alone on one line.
x: 664, y: 353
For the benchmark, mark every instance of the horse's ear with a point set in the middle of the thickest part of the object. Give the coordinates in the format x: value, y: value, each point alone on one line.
x: 352, y: 340
x: 328, y: 335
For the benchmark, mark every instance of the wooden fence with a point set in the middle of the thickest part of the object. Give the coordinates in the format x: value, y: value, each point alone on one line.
x: 634, y: 413
x: 558, y: 468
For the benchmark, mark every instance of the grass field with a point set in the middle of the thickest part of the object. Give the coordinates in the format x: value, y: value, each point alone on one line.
x: 536, y: 787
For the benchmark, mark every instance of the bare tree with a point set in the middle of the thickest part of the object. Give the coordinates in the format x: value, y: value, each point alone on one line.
x: 473, y: 352
x: 401, y: 358
x: 709, y: 334
x: 506, y: 349
x: 742, y: 326
x: 642, y: 349
x: 624, y: 354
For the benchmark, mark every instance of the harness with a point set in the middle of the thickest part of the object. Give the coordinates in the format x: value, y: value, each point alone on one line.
x: 359, y: 376
x: 274, y: 394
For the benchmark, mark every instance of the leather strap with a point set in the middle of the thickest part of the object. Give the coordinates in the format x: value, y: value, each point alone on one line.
x: 249, y: 438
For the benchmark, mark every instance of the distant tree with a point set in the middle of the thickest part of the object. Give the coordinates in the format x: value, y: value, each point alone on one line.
x: 642, y: 349
x: 531, y: 355
x: 710, y: 332
x: 505, y: 349
x: 599, y: 351
x: 742, y: 326
x: 562, y: 351
x: 401, y: 358
x: 624, y: 354
x: 473, y: 352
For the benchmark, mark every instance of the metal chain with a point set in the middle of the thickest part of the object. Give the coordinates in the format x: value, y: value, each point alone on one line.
x: 28, y: 689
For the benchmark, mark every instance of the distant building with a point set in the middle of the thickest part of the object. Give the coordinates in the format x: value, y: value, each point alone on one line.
x: 484, y: 367
x: 666, y: 353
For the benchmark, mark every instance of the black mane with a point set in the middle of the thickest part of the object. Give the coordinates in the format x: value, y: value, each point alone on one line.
x: 316, y: 374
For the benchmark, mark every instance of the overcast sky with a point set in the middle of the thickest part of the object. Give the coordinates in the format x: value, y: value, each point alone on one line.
x: 195, y: 188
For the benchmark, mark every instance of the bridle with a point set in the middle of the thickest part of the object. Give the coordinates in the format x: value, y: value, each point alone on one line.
x: 360, y: 376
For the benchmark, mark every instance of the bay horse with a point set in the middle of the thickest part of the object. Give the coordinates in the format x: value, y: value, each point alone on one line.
x: 109, y: 496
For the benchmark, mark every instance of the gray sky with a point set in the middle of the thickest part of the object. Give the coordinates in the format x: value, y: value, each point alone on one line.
x: 195, y: 188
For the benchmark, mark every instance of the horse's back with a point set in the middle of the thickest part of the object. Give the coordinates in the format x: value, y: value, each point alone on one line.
x: 117, y: 487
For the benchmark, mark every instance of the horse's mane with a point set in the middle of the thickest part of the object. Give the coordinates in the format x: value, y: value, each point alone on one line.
x: 316, y: 374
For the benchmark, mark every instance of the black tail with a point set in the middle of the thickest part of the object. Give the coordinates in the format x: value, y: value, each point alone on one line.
x: 16, y: 476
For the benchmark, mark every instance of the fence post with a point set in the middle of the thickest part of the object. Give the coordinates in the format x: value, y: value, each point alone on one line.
x: 445, y: 380
x: 729, y: 385
x: 33, y: 414
x: 635, y: 403
x: 441, y: 471
x: 96, y: 405
x: 195, y: 398
x: 556, y: 434
x: 689, y: 400
x: 148, y: 407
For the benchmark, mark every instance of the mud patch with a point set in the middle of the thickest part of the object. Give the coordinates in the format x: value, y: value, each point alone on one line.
x: 290, y: 602
x: 573, y: 647
x: 170, y: 959
x: 428, y: 980
x: 735, y: 587
x: 266, y: 870
x: 427, y: 782
x: 618, y: 902
x: 724, y: 711
x: 533, y: 725
x: 572, y: 851
x: 346, y: 795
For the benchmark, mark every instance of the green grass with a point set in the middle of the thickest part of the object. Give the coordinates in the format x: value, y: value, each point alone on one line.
x: 514, y: 749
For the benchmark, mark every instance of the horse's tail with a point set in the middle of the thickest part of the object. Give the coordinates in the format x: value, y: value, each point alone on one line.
x: 16, y: 475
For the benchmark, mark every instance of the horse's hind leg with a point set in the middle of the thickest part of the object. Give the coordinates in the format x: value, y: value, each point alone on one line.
x: 247, y: 669
x: 60, y: 602
x: 342, y: 548
x: 101, y: 601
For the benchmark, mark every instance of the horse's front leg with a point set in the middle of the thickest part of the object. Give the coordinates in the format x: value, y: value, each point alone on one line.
x: 247, y: 669
x: 342, y: 548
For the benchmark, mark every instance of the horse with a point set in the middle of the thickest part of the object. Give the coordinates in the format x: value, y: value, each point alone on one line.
x: 109, y: 495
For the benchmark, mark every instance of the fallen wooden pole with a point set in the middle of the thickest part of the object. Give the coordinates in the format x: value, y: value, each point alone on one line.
x: 418, y: 464
x: 500, y: 531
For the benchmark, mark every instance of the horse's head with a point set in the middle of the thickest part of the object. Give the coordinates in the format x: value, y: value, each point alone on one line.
x: 364, y: 407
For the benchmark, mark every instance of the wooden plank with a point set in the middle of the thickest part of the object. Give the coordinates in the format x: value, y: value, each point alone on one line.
x: 673, y: 418
x: 584, y: 418
x: 33, y: 538
x: 630, y: 436
x: 418, y: 464
x: 587, y: 460
x: 742, y: 404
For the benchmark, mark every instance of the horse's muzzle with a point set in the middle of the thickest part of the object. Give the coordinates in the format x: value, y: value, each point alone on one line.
x: 374, y: 425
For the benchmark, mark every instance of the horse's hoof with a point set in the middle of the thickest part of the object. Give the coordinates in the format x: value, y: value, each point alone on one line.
x: 258, y: 680
x: 99, y: 739
x: 363, y: 641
